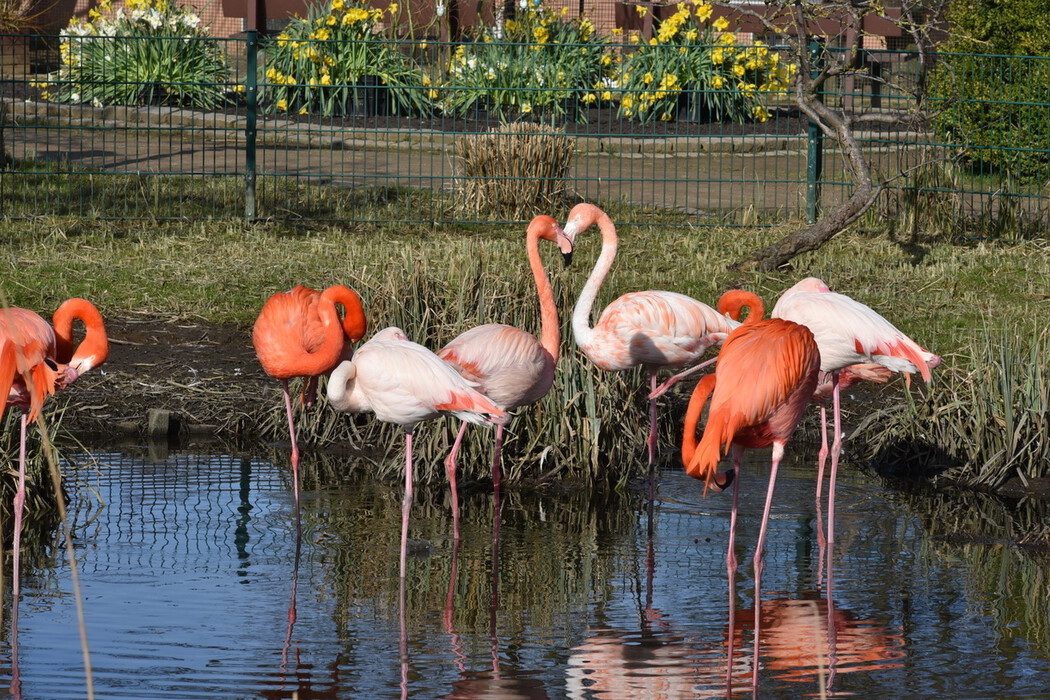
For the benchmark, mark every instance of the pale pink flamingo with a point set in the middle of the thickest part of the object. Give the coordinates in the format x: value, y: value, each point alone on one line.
x: 35, y: 360
x: 848, y: 334
x: 404, y: 383
x: 510, y: 366
x: 652, y: 329
x: 299, y: 334
x: 764, y: 378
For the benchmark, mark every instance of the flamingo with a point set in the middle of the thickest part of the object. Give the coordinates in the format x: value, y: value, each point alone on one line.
x: 854, y: 336
x: 298, y: 334
x: 35, y: 360
x: 652, y: 329
x: 510, y: 366
x: 404, y: 383
x: 764, y: 378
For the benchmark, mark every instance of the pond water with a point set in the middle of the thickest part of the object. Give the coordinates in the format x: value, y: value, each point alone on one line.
x: 188, y: 572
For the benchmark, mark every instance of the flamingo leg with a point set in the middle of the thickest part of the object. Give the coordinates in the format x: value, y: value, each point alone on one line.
x: 406, y: 505
x: 778, y: 454
x: 836, y: 449
x: 497, y: 473
x: 822, y: 541
x: 651, y: 442
x: 295, y: 444
x: 731, y: 565
x: 666, y: 386
x: 16, y: 554
x: 450, y: 469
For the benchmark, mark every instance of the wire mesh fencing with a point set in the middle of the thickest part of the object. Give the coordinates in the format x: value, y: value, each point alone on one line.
x: 266, y: 138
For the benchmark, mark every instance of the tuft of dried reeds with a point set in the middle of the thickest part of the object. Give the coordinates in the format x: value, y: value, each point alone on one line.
x: 514, y: 170
x: 985, y: 421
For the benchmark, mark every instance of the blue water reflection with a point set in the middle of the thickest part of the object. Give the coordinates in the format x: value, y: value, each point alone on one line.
x: 187, y: 565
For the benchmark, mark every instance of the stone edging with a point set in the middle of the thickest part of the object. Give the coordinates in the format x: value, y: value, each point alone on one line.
x: 287, y: 132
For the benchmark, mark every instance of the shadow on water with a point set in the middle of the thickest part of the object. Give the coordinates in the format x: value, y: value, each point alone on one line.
x: 196, y: 584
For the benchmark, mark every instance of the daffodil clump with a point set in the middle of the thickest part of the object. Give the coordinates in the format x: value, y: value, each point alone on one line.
x: 693, y: 54
x: 322, y: 64
x: 537, y: 64
x: 146, y: 52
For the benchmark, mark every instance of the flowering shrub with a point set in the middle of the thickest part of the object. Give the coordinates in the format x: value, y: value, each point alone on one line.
x: 147, y: 52
x: 691, y: 53
x: 536, y: 64
x: 319, y: 64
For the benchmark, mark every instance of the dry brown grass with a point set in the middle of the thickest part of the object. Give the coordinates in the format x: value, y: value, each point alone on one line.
x: 514, y: 170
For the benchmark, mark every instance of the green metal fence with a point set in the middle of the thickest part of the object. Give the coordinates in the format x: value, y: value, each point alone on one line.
x: 983, y: 170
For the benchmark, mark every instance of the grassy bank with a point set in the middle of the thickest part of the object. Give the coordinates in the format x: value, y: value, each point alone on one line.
x: 436, y: 282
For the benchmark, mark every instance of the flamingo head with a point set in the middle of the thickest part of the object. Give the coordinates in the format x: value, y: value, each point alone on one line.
x: 581, y: 217
x: 547, y: 228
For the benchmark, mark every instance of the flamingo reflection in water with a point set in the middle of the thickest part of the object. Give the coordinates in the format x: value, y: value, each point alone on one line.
x: 800, y: 644
x: 494, y: 682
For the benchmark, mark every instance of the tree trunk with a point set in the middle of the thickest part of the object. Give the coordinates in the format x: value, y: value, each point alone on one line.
x: 781, y: 252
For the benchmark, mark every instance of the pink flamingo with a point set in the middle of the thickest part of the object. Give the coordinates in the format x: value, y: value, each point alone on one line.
x: 298, y: 334
x: 764, y: 377
x: 35, y: 360
x: 653, y: 329
x: 849, y: 335
x: 510, y: 366
x: 404, y: 383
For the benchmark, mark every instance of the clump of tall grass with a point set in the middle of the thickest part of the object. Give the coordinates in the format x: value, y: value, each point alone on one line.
x: 985, y: 421
x: 590, y: 426
x: 514, y: 170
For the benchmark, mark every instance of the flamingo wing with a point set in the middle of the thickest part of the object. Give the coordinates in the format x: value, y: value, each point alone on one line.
x: 659, y: 328
x: 848, y: 333
x: 27, y: 367
x: 761, y: 368
x: 509, y: 365
x: 405, y: 383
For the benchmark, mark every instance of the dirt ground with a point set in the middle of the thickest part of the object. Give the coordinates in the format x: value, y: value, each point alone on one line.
x: 206, y: 376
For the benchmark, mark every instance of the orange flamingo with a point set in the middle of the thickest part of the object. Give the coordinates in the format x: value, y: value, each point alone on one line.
x: 653, y: 329
x: 298, y: 334
x: 854, y: 336
x: 510, y: 366
x: 764, y: 378
x: 35, y: 360
x: 404, y: 383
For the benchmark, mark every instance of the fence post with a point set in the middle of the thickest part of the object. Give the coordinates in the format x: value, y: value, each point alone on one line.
x: 815, y: 147
x: 251, y: 126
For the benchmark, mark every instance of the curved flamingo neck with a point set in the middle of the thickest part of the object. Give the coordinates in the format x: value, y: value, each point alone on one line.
x: 550, y: 329
x: 733, y: 303
x: 581, y: 313
x: 330, y: 352
x: 354, y: 323
x: 93, y: 350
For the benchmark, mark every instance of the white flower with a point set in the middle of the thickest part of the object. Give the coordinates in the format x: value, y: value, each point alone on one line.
x: 74, y: 97
x: 440, y: 10
x: 191, y: 20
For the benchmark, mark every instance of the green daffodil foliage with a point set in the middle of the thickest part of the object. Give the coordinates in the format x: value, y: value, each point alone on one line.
x: 145, y: 52
x: 327, y: 62
x: 541, y: 63
x: 695, y: 56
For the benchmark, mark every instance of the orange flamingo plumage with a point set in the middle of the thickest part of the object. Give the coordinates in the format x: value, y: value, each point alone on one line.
x: 35, y: 360
x: 404, y: 383
x: 764, y: 378
x: 299, y: 334
x: 510, y: 366
x: 652, y: 329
